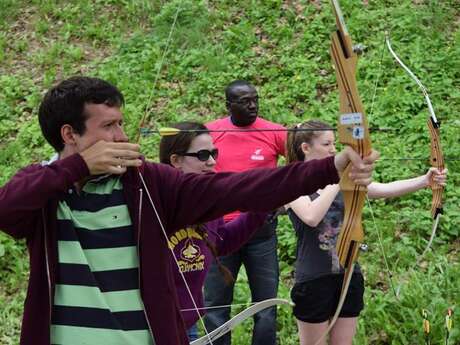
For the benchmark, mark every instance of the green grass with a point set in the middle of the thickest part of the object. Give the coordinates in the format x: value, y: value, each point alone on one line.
x: 282, y: 47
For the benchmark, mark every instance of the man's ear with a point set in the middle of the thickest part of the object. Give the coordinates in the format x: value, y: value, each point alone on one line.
x: 68, y: 135
x: 176, y: 161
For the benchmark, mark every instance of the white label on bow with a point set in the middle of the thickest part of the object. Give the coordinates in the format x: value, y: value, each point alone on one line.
x: 351, y: 119
x: 358, y: 132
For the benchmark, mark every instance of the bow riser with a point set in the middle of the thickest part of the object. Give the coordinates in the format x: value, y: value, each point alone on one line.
x: 351, y: 234
x: 353, y: 126
x: 437, y: 161
x: 353, y: 131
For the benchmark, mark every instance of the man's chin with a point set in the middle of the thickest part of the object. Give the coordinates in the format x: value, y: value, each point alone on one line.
x: 244, y: 121
x: 250, y: 120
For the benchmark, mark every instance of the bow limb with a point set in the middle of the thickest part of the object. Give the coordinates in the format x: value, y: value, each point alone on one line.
x: 436, y: 155
x: 353, y: 130
x: 237, y: 319
x: 345, y: 285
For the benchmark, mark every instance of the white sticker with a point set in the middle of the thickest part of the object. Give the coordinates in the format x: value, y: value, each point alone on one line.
x: 351, y: 119
x: 358, y: 132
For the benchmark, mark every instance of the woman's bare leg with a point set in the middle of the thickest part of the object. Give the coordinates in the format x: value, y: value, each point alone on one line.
x: 343, y: 331
x: 309, y: 333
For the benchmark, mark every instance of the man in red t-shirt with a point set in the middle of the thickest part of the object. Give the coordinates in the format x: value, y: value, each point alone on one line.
x: 240, y: 151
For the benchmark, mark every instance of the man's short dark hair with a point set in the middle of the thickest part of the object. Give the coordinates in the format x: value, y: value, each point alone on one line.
x: 229, y: 95
x: 64, y: 104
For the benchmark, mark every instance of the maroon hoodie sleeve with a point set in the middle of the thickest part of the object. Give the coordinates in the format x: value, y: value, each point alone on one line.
x: 234, y: 234
x: 192, y: 199
x: 22, y: 198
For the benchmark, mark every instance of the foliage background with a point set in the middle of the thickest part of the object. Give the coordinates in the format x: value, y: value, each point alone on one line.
x: 281, y: 46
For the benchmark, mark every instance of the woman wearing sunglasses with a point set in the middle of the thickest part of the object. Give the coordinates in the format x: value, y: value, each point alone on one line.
x: 192, y: 151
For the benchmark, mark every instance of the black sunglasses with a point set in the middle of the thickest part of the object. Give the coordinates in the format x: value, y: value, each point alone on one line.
x: 203, y: 155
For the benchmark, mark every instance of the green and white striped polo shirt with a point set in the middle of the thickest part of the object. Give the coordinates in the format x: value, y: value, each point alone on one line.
x: 97, y: 299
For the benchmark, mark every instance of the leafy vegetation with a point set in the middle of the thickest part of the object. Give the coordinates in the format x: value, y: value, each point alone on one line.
x: 281, y: 46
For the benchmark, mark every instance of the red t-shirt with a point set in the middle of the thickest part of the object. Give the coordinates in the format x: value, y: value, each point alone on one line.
x: 240, y: 151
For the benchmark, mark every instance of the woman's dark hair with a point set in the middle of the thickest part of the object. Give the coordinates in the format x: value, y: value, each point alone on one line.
x: 228, y: 277
x: 295, y: 139
x: 65, y: 104
x: 179, y: 144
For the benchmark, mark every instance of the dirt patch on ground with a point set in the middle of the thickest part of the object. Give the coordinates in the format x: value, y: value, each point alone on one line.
x: 27, y: 44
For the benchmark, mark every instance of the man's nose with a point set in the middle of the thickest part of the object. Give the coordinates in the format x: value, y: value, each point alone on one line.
x: 120, y: 135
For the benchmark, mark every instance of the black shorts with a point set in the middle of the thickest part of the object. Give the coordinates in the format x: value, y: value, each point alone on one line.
x: 316, y: 300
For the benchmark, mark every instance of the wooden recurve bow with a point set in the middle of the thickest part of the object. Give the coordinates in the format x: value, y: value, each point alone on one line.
x: 353, y: 130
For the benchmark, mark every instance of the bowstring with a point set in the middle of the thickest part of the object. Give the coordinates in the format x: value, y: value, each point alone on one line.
x: 374, y: 222
x: 157, y: 74
x: 385, y: 258
x: 149, y: 101
x: 175, y: 258
x: 222, y: 306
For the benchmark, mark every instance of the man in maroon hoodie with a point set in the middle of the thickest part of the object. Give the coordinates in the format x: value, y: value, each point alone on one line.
x: 97, y: 218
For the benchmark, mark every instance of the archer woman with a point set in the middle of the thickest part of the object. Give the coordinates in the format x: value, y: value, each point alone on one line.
x: 317, y: 220
x: 196, y: 247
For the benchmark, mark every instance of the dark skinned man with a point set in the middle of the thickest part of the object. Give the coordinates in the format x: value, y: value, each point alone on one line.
x: 240, y: 152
